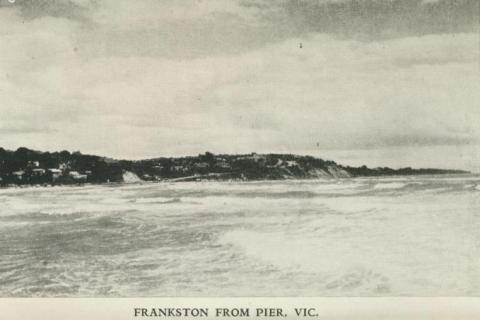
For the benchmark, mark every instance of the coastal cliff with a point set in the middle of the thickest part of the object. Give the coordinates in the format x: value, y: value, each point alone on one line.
x: 28, y: 167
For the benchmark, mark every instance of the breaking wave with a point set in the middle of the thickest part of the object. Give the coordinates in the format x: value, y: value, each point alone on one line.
x: 353, y: 237
x: 389, y: 185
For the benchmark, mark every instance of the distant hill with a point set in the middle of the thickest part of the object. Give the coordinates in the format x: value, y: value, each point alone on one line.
x: 25, y: 166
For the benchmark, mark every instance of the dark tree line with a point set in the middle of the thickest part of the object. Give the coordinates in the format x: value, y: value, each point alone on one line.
x: 224, y: 166
x: 27, y: 160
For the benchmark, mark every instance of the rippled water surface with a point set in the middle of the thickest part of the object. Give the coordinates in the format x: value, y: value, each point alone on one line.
x: 352, y: 237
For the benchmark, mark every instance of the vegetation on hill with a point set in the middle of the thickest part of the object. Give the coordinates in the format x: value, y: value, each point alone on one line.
x: 25, y: 167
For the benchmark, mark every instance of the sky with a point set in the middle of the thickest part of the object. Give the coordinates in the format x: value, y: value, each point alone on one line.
x: 376, y: 82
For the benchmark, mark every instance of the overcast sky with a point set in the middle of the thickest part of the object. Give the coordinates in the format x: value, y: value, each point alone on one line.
x: 376, y: 82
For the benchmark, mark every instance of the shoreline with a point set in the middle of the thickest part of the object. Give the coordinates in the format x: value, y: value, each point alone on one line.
x: 197, y: 179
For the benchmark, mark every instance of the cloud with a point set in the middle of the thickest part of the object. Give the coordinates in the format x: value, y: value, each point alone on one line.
x: 23, y: 127
x: 373, y: 19
x: 337, y: 93
x: 113, y: 84
x: 32, y: 9
x: 179, y: 29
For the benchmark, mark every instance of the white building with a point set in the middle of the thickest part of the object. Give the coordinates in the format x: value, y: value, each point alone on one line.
x: 18, y: 174
x: 201, y: 165
x: 56, y: 173
x: 38, y: 172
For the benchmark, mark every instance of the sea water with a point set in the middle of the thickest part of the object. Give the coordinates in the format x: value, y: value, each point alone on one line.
x: 348, y: 237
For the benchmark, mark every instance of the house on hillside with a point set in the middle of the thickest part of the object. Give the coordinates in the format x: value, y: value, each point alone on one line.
x: 77, y: 176
x: 291, y: 164
x: 147, y: 177
x: 33, y: 164
x: 201, y: 165
x: 179, y: 169
x: 260, y: 159
x: 222, y: 164
x: 277, y: 164
x: 38, y: 172
x: 55, y: 173
x: 19, y: 175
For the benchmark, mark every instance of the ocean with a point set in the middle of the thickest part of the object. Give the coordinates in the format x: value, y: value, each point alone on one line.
x: 391, y: 236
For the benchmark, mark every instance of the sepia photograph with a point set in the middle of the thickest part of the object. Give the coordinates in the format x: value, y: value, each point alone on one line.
x: 239, y: 148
